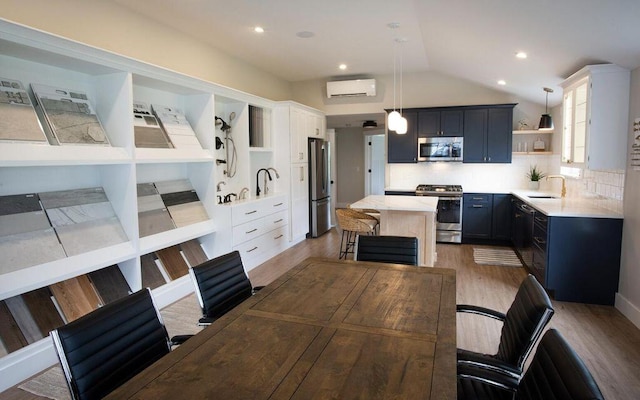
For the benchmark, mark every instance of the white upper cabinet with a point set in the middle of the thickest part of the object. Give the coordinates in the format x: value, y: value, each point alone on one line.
x: 595, y: 118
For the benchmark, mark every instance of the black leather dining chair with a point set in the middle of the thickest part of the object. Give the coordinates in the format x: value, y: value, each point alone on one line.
x: 221, y: 284
x: 390, y: 249
x: 523, y: 324
x: 556, y: 373
x: 105, y: 348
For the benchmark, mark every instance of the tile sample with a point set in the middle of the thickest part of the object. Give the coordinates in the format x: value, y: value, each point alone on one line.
x: 43, y: 310
x: 188, y: 213
x: 173, y: 262
x: 151, y: 275
x: 18, y: 119
x: 27, y: 249
x: 70, y: 115
x: 19, y: 203
x: 178, y: 185
x: 147, y: 130
x: 73, y: 197
x: 193, y: 252
x: 149, y: 203
x: 10, y: 333
x: 177, y: 126
x: 154, y: 221
x: 91, y: 235
x: 23, y: 318
x: 75, y: 297
x: 78, y: 214
x: 14, y: 224
x: 146, y: 189
x: 172, y: 199
x: 110, y: 284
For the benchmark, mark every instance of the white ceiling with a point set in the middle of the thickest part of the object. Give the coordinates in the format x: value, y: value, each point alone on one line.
x: 470, y: 39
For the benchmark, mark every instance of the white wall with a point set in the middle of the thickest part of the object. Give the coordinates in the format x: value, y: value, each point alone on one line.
x: 628, y: 299
x: 112, y: 27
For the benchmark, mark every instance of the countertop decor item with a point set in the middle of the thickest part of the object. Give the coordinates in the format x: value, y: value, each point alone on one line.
x: 535, y: 175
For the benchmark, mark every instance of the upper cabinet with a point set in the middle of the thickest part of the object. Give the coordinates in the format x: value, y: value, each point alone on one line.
x: 595, y: 117
x: 440, y: 123
x: 404, y: 148
x: 488, y: 134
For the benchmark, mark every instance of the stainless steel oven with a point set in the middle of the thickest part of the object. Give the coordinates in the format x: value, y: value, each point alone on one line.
x: 449, y: 216
x: 442, y: 148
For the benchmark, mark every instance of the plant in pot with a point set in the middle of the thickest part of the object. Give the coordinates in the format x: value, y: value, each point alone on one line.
x: 535, y: 175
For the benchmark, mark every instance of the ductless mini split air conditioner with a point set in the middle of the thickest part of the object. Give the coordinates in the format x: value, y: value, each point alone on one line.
x: 351, y: 88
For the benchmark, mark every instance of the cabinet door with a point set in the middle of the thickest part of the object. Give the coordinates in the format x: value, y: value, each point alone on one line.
x: 575, y: 120
x: 428, y: 123
x: 475, y: 128
x: 298, y: 135
x: 501, y: 220
x: 451, y: 122
x: 476, y: 216
x: 404, y: 148
x: 299, y: 200
x: 499, y: 135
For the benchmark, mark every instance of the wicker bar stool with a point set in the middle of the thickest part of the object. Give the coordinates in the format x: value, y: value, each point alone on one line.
x: 353, y: 223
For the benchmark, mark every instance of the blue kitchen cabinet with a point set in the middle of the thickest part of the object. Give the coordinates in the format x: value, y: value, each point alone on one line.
x: 476, y: 216
x: 501, y: 218
x: 488, y: 134
x: 440, y: 122
x: 404, y: 148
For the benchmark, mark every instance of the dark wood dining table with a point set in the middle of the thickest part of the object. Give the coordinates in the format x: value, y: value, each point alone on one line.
x: 327, y: 329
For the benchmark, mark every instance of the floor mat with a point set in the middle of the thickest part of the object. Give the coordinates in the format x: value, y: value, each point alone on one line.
x: 491, y: 256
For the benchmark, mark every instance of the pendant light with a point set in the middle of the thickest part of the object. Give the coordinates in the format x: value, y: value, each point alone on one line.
x: 402, y: 123
x: 546, y: 122
x: 394, y: 116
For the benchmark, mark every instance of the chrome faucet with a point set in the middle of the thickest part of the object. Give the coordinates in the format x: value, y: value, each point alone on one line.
x: 266, y: 187
x: 219, y: 184
x: 242, y: 194
x: 564, y: 187
x: 266, y: 174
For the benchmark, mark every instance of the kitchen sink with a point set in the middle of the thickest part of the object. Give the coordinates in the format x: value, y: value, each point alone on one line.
x: 543, y: 197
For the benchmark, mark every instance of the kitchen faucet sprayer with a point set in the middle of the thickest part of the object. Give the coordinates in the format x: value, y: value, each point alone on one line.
x: 564, y: 187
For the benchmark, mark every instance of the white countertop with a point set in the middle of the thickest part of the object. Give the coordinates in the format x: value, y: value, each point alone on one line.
x: 565, y: 207
x: 398, y: 203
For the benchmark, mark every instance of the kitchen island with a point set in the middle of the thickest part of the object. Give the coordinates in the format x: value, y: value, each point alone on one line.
x: 407, y: 216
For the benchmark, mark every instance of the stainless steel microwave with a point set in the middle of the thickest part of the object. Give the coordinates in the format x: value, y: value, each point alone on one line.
x: 441, y: 148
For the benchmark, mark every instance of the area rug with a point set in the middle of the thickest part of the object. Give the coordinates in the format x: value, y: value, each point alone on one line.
x: 501, y: 257
x: 180, y: 318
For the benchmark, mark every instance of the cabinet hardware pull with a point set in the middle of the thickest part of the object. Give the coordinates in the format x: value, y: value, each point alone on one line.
x: 478, y: 198
x: 280, y: 220
x: 251, y: 231
x: 278, y: 205
x: 301, y: 174
x: 278, y: 237
x: 477, y: 206
x: 250, y: 250
x: 251, y: 212
x: 540, y: 219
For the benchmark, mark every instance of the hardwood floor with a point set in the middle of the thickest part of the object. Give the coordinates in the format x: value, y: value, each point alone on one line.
x: 608, y: 343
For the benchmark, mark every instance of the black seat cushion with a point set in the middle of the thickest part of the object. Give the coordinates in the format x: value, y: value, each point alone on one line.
x: 391, y: 249
x: 110, y: 345
x: 222, y: 284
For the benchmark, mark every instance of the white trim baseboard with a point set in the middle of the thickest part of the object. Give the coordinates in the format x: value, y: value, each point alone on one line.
x: 628, y: 309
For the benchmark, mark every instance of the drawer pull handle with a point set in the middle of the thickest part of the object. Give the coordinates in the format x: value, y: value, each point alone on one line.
x: 478, y: 198
x: 250, y: 250
x: 540, y: 219
x: 278, y: 221
x: 477, y: 206
x: 278, y: 237
x: 253, y: 230
x: 539, y: 241
x: 278, y: 205
x: 251, y: 212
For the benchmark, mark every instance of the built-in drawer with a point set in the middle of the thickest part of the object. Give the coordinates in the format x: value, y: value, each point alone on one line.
x: 275, y: 204
x: 242, y: 213
x: 275, y: 220
x: 248, y: 230
x: 478, y: 198
x: 261, y: 244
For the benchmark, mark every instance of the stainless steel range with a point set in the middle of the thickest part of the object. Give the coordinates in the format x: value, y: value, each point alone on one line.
x: 449, y: 217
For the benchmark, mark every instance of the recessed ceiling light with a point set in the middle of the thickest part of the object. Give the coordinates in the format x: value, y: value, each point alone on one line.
x: 305, y: 34
x: 502, y: 82
x: 521, y: 55
x: 342, y: 66
x: 258, y: 29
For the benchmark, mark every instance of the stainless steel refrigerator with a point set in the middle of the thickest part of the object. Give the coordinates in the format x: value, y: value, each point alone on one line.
x: 319, y: 190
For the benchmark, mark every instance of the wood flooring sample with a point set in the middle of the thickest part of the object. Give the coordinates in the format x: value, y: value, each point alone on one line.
x: 193, y: 252
x: 23, y: 318
x: 110, y: 284
x: 151, y: 275
x: 42, y: 309
x: 76, y: 297
x: 10, y: 333
x: 173, y: 262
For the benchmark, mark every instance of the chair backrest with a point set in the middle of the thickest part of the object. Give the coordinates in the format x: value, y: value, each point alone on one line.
x: 355, y: 221
x: 525, y: 320
x: 391, y: 249
x: 221, y: 284
x: 557, y: 372
x: 105, y: 348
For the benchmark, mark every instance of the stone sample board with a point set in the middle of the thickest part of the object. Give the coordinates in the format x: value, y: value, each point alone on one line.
x: 182, y: 202
x: 153, y: 216
x: 147, y: 130
x: 175, y: 124
x: 18, y: 119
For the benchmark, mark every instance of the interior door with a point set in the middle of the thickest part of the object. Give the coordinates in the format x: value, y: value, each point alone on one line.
x: 374, y: 164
